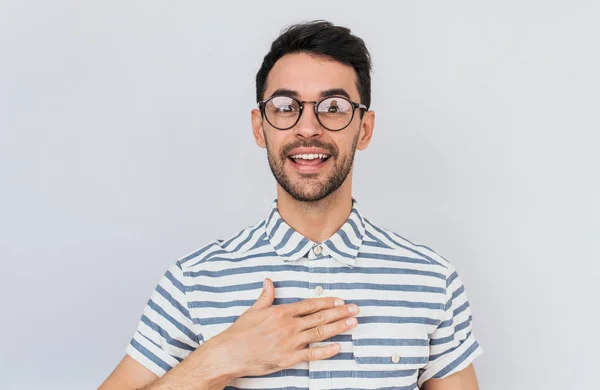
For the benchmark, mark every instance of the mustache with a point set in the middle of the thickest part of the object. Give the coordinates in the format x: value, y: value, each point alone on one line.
x: 308, y: 144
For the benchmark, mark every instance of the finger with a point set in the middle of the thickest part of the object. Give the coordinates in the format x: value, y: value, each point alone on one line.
x: 266, y: 298
x: 323, y: 332
x: 317, y: 353
x: 312, y: 305
x: 327, y: 316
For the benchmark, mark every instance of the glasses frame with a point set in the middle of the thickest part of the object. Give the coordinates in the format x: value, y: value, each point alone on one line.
x: 262, y: 104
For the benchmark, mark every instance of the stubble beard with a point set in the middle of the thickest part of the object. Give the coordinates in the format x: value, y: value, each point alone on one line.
x: 307, y: 188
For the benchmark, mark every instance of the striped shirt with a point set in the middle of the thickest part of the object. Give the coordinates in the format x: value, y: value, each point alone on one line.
x: 414, y: 321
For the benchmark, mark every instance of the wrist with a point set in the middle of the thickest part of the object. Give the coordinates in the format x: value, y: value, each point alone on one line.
x: 217, y: 363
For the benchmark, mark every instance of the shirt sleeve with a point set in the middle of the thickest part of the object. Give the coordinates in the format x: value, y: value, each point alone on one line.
x: 165, y: 334
x: 452, y: 346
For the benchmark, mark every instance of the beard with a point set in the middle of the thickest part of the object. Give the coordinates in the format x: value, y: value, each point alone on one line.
x: 307, y: 188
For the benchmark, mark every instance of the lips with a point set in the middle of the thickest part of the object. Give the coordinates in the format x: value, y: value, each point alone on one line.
x: 308, y: 150
x: 309, y: 162
x: 308, y: 159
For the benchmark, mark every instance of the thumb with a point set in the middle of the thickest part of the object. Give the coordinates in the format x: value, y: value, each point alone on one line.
x: 266, y: 297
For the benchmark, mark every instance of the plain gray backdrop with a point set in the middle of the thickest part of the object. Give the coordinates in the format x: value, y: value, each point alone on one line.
x: 125, y: 143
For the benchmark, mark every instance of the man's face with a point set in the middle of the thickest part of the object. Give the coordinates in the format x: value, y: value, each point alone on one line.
x: 310, y: 78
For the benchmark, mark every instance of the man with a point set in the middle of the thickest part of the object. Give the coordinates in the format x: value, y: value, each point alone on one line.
x: 342, y: 303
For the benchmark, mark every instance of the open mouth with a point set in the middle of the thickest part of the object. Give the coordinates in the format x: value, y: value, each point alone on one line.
x: 309, y: 159
x: 308, y: 162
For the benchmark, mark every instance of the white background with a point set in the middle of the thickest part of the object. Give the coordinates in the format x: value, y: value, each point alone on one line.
x: 125, y: 143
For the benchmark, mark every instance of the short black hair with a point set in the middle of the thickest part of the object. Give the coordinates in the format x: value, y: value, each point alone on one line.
x: 321, y: 38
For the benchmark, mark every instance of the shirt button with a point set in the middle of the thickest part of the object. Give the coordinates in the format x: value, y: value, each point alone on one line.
x: 395, y: 358
x: 318, y: 250
x: 319, y: 290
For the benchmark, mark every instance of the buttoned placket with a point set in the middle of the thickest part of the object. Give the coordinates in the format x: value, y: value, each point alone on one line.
x: 318, y: 288
x: 338, y: 250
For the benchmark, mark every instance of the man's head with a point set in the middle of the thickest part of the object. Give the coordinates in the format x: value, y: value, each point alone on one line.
x: 311, y: 146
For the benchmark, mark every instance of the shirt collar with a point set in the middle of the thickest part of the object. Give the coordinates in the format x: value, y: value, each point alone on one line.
x: 291, y: 245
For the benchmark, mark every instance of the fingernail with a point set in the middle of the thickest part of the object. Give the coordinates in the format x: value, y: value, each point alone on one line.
x: 351, y: 321
x: 335, y: 347
x: 353, y: 309
x: 338, y: 302
x: 264, y: 284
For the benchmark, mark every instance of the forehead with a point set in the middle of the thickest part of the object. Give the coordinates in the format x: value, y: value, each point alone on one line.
x: 309, y: 75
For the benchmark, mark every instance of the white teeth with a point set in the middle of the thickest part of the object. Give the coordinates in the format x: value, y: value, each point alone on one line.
x: 309, y: 156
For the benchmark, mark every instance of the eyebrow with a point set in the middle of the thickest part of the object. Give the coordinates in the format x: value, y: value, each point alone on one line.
x: 285, y: 92
x: 324, y: 94
x: 335, y: 92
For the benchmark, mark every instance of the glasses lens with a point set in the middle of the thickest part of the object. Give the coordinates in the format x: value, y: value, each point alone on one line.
x: 282, y: 112
x: 335, y: 113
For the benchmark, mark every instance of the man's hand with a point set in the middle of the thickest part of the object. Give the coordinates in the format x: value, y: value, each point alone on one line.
x: 270, y: 338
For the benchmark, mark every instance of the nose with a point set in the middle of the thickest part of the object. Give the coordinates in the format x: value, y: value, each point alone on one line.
x: 308, y: 126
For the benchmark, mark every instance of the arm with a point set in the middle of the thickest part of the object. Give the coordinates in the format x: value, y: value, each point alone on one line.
x: 129, y: 374
x: 462, y: 380
x: 452, y: 345
x: 200, y: 370
x: 165, y: 345
x: 263, y: 340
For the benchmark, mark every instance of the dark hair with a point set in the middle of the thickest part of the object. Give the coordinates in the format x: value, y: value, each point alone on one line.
x: 320, y: 38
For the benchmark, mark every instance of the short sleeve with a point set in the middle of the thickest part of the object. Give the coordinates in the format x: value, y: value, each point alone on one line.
x: 165, y: 334
x: 452, y: 346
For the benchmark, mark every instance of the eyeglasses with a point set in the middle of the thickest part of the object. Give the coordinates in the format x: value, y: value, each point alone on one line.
x: 333, y: 113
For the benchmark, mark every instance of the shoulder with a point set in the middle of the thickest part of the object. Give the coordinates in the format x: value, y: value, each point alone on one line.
x: 235, y: 246
x: 394, y: 243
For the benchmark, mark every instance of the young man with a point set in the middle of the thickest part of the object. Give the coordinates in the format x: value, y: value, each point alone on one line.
x: 342, y: 303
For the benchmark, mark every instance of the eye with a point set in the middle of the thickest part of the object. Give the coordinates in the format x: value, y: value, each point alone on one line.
x: 288, y: 108
x: 283, y: 105
x: 335, y: 106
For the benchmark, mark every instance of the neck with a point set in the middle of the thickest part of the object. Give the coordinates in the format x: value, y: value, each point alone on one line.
x: 317, y: 220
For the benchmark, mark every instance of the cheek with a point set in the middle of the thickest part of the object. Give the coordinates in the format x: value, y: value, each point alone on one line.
x: 345, y: 144
x: 274, y: 141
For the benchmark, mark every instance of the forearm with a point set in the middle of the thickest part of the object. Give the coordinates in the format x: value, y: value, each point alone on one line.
x: 206, y: 368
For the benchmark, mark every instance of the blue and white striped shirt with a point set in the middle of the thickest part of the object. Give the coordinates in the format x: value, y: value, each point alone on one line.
x: 414, y: 322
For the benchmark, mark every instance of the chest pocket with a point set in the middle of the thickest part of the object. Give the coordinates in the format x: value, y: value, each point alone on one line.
x: 388, y: 355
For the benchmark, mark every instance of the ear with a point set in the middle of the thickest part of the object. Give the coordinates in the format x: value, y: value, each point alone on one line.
x: 257, y: 128
x: 367, y: 125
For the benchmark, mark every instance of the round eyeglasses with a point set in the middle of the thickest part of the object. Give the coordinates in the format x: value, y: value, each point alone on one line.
x: 333, y: 113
